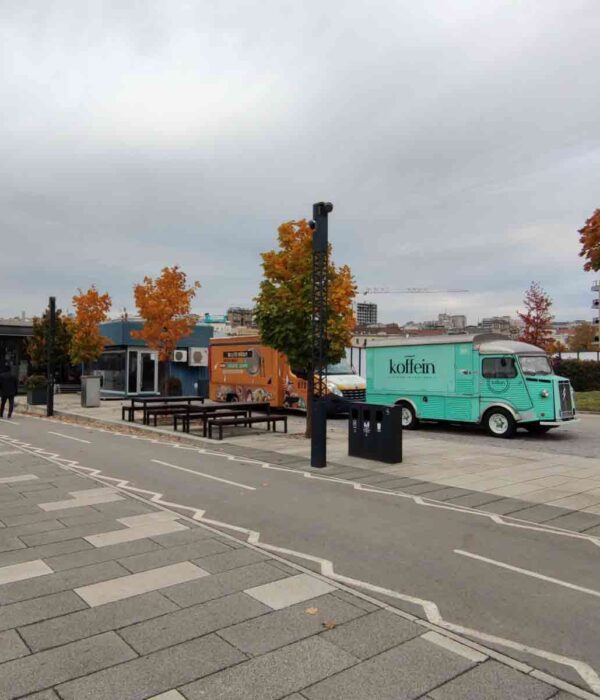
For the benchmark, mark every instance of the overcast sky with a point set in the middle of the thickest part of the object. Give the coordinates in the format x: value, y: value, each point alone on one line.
x: 459, y: 141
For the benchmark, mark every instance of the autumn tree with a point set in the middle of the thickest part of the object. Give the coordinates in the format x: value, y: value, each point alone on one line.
x: 37, y: 344
x: 284, y: 303
x: 164, y: 304
x: 589, y: 237
x: 537, y: 318
x: 583, y: 338
x: 87, y: 343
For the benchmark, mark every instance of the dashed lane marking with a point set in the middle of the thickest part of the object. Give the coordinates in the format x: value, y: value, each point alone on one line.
x: 528, y: 572
x: 69, y: 437
x: 206, y: 476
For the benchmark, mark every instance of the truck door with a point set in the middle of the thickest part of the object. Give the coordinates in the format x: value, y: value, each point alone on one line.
x: 501, y: 381
x: 461, y: 404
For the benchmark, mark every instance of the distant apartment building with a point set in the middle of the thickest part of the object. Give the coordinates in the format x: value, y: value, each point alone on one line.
x: 240, y: 317
x: 452, y: 322
x: 366, y: 313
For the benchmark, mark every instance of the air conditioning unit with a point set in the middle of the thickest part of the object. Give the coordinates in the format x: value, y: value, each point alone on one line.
x: 179, y: 356
x: 198, y: 357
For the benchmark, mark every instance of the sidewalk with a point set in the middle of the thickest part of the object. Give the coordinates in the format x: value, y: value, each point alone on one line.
x: 105, y: 596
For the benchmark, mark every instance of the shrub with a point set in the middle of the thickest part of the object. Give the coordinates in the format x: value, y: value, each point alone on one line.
x: 584, y: 375
x: 36, y: 381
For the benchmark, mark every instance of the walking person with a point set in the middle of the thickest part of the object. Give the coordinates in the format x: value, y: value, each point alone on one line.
x: 8, y: 390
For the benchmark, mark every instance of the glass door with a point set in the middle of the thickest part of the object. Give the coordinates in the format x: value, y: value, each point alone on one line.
x: 147, y: 372
x: 142, y: 372
x: 132, y: 372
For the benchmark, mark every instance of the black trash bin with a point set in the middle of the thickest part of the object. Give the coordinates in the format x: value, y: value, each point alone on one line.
x: 375, y: 432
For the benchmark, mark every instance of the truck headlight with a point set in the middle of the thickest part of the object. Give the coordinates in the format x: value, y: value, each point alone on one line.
x: 334, y: 390
x: 544, y: 393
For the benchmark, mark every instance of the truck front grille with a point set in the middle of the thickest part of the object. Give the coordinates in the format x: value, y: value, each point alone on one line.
x: 566, y: 401
x: 354, y: 394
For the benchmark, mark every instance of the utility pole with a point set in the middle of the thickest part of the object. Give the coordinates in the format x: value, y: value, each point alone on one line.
x: 320, y: 247
x: 50, y: 347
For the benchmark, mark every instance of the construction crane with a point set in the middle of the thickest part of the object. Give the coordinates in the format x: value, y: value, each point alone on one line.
x: 412, y: 290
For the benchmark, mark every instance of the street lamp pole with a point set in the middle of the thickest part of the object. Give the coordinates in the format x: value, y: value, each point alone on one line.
x: 320, y: 248
x: 50, y: 349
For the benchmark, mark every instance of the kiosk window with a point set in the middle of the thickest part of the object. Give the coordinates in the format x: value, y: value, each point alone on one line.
x: 499, y: 368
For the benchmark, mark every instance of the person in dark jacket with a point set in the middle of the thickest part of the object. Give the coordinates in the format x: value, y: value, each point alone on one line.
x: 8, y: 390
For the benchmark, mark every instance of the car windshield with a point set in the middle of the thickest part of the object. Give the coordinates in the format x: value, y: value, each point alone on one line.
x: 342, y: 367
x: 535, y: 364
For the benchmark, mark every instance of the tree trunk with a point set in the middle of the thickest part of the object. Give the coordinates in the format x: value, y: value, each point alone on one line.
x: 310, y: 391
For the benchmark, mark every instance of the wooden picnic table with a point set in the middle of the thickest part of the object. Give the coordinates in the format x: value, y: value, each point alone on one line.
x: 203, y: 412
x: 140, y: 403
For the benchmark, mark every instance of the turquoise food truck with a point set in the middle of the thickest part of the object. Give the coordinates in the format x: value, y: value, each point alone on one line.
x: 487, y: 379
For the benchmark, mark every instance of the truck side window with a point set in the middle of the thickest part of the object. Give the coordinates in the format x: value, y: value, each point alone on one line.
x: 499, y: 368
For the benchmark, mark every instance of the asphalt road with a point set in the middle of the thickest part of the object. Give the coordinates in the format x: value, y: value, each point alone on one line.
x: 528, y: 585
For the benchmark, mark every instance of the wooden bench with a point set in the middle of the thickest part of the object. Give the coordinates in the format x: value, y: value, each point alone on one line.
x: 248, y: 421
x: 205, y: 416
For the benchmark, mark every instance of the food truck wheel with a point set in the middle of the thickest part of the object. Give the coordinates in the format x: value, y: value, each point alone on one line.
x: 409, y: 417
x: 499, y: 423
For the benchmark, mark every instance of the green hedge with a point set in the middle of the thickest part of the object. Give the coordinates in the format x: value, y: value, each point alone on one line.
x: 583, y: 374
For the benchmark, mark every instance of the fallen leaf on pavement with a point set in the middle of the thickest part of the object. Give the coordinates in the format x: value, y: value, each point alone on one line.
x: 328, y: 624
x: 312, y: 611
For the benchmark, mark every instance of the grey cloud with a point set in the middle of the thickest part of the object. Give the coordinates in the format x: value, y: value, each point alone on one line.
x: 459, y: 142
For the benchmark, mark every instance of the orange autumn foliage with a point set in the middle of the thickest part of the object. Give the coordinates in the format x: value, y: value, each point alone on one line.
x: 164, y: 304
x: 91, y: 308
x: 284, y: 303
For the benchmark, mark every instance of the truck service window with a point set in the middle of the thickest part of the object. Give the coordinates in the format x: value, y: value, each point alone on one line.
x: 535, y: 364
x: 499, y: 368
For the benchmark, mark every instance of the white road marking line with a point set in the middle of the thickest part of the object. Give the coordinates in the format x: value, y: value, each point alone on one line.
x: 69, y: 437
x: 206, y: 476
x: 528, y: 572
x: 430, y: 609
x: 18, y: 478
x: 11, y: 421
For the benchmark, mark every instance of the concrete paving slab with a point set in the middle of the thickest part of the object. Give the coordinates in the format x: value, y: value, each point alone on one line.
x: 57, y: 582
x: 11, y: 646
x: 30, y: 528
x: 45, y: 552
x: 23, y: 571
x: 475, y: 499
x: 384, y: 676
x: 197, y: 552
x: 155, y: 673
x: 288, y: 591
x: 43, y: 670
x: 493, y: 681
x: 218, y: 585
x: 43, y: 695
x: 579, y: 521
x: 537, y: 513
x: 372, y: 634
x: 135, y: 584
x: 169, y: 695
x: 274, y: 675
x: 91, y: 555
x: 577, y: 502
x: 196, y: 621
x: 108, y: 496
x: 504, y: 506
x: 106, y: 539
x: 9, y: 544
x: 66, y: 533
x: 29, y: 611
x: 446, y: 493
x: 227, y: 560
x: 283, y: 627
x: 90, y: 622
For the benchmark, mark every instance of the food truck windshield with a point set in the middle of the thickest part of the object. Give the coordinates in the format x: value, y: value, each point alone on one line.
x: 342, y: 367
x: 535, y: 364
